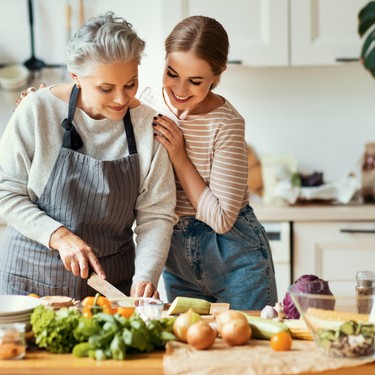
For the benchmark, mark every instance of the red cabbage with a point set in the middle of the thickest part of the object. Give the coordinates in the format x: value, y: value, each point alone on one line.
x: 308, y: 284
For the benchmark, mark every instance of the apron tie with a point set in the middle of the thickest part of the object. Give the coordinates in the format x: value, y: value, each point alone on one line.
x: 72, y: 139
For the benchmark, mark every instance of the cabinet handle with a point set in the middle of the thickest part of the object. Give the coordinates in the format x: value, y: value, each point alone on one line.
x: 347, y: 59
x: 235, y: 62
x: 357, y: 230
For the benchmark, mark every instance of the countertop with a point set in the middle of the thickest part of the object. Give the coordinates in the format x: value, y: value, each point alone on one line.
x: 315, y: 212
x: 43, y: 363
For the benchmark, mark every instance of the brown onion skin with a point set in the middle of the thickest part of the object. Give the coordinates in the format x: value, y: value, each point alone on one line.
x: 183, y: 322
x: 201, y: 335
x: 227, y: 316
x: 236, y: 332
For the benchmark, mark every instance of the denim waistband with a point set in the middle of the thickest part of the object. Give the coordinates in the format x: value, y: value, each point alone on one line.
x: 190, y: 224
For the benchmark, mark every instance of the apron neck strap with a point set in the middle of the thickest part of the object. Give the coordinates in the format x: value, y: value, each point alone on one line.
x: 72, y: 139
x: 130, y: 133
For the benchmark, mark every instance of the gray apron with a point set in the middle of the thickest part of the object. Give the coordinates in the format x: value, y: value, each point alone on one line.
x: 94, y: 199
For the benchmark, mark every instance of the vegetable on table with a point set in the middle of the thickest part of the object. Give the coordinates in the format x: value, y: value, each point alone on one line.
x: 183, y: 322
x: 201, y: 335
x: 93, y: 305
x: 236, y: 332
x: 53, y: 330
x: 101, y: 336
x: 307, y: 284
x: 281, y: 341
x: 263, y: 328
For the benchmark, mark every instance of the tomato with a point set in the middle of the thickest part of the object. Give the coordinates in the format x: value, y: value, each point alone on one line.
x: 126, y: 312
x: 281, y: 341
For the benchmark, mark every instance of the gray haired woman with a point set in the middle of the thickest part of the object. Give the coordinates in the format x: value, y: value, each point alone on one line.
x: 78, y: 167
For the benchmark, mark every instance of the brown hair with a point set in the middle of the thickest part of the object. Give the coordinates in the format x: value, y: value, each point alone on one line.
x: 203, y: 35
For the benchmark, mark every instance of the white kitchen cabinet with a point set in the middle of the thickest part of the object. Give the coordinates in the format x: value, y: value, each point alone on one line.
x: 280, y: 32
x: 324, y: 32
x: 333, y: 250
x: 257, y: 29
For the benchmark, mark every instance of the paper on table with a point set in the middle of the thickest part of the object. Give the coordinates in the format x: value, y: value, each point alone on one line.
x: 255, y: 358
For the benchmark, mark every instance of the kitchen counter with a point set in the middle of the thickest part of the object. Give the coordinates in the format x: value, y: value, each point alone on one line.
x: 43, y: 363
x: 315, y: 213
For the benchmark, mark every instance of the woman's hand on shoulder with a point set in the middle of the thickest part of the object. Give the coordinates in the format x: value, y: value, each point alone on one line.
x: 27, y: 92
x: 171, y: 137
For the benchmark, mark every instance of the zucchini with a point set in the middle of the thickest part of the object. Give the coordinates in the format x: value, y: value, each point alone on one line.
x: 263, y: 328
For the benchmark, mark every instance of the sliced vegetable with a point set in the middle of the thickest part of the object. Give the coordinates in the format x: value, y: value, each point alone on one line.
x: 183, y: 304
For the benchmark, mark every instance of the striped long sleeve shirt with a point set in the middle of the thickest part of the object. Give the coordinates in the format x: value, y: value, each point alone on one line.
x: 215, y: 143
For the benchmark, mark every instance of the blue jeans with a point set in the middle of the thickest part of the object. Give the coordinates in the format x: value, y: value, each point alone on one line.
x: 235, y: 267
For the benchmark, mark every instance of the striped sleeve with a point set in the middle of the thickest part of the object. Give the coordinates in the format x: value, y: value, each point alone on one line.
x: 226, y: 192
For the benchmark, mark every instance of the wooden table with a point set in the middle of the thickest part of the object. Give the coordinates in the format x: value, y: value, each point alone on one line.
x: 44, y: 363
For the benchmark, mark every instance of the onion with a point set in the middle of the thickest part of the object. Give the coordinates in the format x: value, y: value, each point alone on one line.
x: 183, y: 322
x: 227, y: 316
x: 236, y: 332
x: 201, y: 335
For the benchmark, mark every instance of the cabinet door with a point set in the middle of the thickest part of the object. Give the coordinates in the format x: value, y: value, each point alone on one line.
x: 257, y: 29
x: 333, y: 250
x: 324, y: 32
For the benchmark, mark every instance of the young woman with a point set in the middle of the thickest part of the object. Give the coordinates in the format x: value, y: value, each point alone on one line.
x: 219, y: 250
x: 78, y: 166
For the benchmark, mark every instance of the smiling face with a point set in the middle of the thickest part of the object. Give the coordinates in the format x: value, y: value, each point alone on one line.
x: 108, y: 90
x: 187, y: 81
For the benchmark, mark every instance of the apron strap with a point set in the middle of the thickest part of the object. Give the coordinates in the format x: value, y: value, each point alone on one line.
x: 130, y: 133
x: 72, y: 139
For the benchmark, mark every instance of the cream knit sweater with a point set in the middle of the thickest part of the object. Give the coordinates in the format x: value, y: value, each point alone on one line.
x: 29, y: 148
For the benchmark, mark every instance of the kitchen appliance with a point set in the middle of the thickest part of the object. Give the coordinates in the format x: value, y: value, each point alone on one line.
x: 279, y: 236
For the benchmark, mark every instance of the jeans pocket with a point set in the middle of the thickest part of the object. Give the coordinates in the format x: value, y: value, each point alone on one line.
x: 247, y: 230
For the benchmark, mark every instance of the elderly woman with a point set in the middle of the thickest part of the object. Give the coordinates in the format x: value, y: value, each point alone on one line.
x: 78, y: 167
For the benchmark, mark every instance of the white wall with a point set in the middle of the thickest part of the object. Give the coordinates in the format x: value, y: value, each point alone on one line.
x: 322, y: 115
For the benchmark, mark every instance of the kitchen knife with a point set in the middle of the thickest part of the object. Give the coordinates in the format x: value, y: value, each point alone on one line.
x: 104, y: 287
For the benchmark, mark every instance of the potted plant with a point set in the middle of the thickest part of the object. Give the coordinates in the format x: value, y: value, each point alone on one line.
x: 366, y: 30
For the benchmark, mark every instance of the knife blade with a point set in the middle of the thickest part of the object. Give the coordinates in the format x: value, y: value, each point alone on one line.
x: 104, y: 287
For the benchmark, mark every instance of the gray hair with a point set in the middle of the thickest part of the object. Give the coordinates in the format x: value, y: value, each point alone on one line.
x: 104, y: 39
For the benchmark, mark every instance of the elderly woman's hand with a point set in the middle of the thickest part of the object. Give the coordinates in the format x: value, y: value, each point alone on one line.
x: 28, y: 91
x: 144, y: 289
x: 77, y: 256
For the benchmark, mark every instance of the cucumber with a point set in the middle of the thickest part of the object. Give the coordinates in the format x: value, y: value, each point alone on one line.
x: 263, y: 328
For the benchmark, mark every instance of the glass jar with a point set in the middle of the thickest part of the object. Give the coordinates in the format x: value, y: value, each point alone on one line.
x: 365, y: 289
x: 12, y: 341
x: 368, y: 173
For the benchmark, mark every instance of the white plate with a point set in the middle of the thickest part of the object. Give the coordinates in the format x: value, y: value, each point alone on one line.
x: 14, y: 304
x: 14, y: 319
